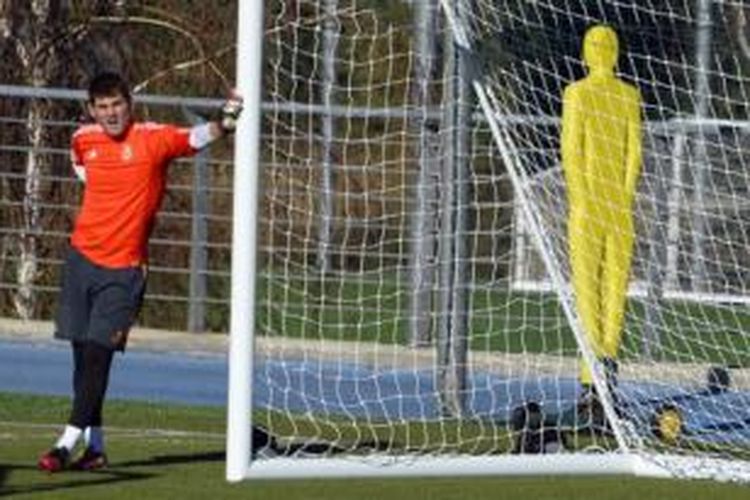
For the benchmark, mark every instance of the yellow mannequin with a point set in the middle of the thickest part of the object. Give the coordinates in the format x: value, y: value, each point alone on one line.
x: 601, y: 157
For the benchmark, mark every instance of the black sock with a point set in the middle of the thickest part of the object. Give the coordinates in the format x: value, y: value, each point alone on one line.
x: 90, y: 378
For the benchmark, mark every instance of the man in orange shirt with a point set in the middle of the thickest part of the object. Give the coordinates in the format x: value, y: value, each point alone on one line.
x: 123, y: 165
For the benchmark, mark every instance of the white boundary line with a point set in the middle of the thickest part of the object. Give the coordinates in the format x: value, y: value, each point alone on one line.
x: 123, y: 431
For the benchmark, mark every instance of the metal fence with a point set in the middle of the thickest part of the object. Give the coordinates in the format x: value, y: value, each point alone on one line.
x: 370, y: 230
x: 189, y: 250
x: 376, y: 207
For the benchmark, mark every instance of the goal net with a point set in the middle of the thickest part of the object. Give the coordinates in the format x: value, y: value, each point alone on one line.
x: 415, y: 309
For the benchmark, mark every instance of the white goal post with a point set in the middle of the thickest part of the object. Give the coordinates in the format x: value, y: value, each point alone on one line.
x: 401, y: 289
x: 244, y: 238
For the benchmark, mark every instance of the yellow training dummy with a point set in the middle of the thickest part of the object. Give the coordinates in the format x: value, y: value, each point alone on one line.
x: 601, y: 158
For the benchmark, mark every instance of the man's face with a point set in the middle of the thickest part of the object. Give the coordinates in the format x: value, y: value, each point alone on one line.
x: 112, y: 113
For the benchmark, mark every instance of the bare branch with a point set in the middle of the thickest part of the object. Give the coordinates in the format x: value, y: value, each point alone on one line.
x: 164, y: 14
x: 187, y: 65
x: 742, y: 31
x: 153, y: 22
x: 198, y: 46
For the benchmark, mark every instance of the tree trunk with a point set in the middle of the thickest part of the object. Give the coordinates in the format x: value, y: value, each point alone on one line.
x: 31, y: 34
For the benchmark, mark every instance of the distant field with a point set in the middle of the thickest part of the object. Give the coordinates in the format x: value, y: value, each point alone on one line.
x: 377, y: 310
x: 177, y: 452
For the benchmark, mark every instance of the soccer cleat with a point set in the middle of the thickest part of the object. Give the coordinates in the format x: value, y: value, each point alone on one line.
x: 54, y: 460
x: 589, y: 410
x: 90, y: 460
x: 611, y: 369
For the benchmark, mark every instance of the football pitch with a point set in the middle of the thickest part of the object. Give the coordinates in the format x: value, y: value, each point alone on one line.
x: 161, y: 451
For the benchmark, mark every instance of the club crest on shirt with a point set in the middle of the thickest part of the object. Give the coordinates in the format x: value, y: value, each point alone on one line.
x: 91, y: 154
x: 127, y: 152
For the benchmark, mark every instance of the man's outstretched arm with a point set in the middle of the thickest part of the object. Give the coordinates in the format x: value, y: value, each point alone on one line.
x: 204, y: 134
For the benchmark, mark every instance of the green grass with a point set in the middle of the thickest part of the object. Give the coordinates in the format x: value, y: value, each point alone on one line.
x: 190, y: 464
x: 376, y: 310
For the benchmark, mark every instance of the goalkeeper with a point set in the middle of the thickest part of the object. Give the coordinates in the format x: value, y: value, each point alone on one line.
x: 123, y: 165
x: 601, y: 158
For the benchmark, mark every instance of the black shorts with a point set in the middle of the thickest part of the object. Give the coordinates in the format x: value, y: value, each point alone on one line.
x: 98, y: 304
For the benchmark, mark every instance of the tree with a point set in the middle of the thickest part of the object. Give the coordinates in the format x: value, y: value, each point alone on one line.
x: 44, y: 43
x: 35, y: 50
x: 60, y: 43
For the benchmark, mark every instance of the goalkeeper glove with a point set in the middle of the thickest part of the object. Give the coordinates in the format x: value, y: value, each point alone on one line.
x: 230, y: 113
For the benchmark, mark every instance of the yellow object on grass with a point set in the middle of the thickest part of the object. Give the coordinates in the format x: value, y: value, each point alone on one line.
x: 601, y: 157
x: 668, y: 424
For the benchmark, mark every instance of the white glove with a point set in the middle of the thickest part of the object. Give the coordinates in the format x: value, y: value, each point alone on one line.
x: 230, y: 113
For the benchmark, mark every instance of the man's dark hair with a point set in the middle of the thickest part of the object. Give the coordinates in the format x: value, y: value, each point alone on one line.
x: 108, y: 84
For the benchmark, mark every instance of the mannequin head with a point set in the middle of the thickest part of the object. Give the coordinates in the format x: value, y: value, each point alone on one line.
x: 600, y: 49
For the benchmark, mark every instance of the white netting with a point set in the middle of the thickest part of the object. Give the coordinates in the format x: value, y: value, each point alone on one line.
x: 403, y: 308
x: 685, y: 334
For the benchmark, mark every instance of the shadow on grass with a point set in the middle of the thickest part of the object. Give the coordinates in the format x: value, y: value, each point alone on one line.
x: 264, y: 444
x: 117, y: 472
x: 64, y: 481
x: 305, y: 449
x: 159, y: 460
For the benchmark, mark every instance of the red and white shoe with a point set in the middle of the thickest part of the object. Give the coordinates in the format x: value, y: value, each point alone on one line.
x: 55, y: 460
